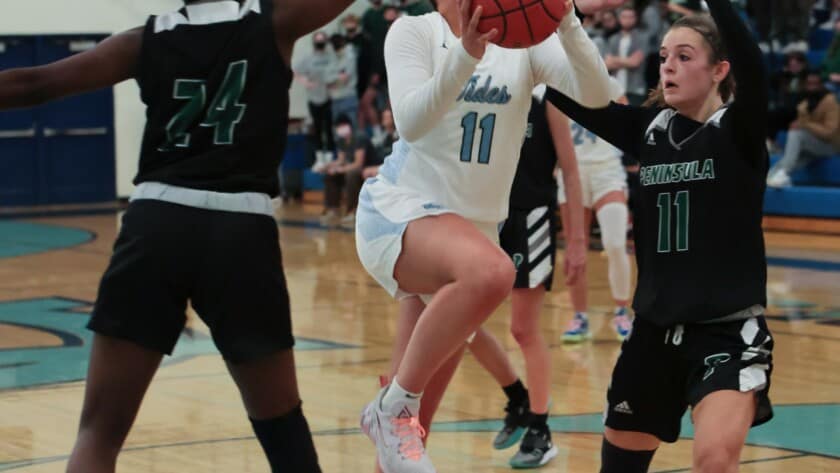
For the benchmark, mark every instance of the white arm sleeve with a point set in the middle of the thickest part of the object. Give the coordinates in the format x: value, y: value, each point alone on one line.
x: 419, y: 96
x: 580, y: 73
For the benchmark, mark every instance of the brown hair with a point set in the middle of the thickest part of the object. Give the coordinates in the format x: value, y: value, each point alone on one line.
x: 705, y: 26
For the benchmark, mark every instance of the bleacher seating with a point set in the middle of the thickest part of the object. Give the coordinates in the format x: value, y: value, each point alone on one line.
x: 816, y: 191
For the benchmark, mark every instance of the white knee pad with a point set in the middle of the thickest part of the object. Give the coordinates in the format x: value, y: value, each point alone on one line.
x: 612, y: 219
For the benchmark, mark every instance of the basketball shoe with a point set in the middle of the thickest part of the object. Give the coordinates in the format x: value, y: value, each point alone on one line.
x: 397, y: 434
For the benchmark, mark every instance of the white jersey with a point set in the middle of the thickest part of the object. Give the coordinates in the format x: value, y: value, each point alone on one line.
x: 463, y: 121
x: 591, y: 148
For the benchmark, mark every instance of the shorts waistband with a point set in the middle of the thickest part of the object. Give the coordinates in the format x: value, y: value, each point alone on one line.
x: 748, y: 313
x: 242, y: 202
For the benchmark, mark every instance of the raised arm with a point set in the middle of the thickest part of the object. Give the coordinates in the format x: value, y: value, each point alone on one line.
x: 110, y: 62
x: 295, y: 18
x: 419, y: 96
x: 580, y: 72
x: 751, y: 97
x: 621, y: 125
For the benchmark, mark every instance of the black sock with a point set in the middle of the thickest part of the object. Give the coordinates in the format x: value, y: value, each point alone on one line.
x: 516, y: 393
x: 618, y: 460
x: 287, y: 443
x: 539, y: 421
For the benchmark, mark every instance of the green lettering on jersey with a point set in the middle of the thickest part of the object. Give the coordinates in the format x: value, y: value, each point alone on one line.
x: 224, y: 112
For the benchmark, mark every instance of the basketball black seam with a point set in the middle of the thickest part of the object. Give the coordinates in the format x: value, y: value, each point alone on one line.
x: 504, y: 19
x: 527, y: 23
x: 547, y: 12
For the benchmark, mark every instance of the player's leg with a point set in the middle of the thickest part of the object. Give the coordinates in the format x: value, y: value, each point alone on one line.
x: 646, y: 399
x: 118, y: 375
x: 469, y: 277
x: 492, y: 356
x: 626, y: 451
x: 134, y: 328
x: 410, y: 310
x: 269, y: 390
x: 612, y: 213
x: 731, y: 365
x: 242, y: 296
x: 537, y: 448
x: 578, y: 330
x: 721, y: 423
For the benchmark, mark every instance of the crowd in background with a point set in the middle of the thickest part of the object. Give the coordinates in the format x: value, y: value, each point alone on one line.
x: 352, y: 130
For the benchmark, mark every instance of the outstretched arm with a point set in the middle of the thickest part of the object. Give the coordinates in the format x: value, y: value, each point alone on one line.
x: 296, y: 18
x: 110, y: 62
x: 621, y: 125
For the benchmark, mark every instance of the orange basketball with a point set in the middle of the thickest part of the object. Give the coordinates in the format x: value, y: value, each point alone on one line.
x: 520, y: 23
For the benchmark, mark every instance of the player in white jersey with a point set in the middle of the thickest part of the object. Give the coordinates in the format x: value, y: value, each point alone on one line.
x: 428, y: 224
x: 604, y: 185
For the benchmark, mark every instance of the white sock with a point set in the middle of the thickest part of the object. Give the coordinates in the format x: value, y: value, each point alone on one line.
x: 612, y: 219
x: 396, y: 398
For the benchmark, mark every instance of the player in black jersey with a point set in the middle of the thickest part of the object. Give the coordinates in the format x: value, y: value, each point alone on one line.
x: 529, y: 238
x: 699, y: 338
x: 214, y: 76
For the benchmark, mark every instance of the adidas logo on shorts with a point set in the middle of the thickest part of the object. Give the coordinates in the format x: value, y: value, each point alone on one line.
x: 623, y: 408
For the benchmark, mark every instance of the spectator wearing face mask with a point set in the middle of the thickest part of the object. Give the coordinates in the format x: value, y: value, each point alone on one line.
x: 626, y: 55
x: 344, y: 175
x: 815, y: 133
x: 312, y: 71
x: 342, y: 80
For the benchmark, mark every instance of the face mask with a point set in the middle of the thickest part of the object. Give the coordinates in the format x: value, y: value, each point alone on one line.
x: 343, y: 131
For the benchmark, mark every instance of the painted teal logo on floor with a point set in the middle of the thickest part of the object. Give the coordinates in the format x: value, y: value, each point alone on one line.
x: 22, y: 367
x: 23, y: 238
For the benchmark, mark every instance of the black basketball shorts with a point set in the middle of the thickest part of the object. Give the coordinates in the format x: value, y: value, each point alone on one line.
x: 227, y: 264
x: 662, y: 371
x: 530, y: 238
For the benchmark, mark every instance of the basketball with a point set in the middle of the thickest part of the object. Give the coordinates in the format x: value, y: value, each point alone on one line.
x: 520, y: 23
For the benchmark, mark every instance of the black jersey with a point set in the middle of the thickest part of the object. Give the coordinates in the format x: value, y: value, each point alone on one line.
x: 534, y: 185
x: 217, y: 95
x: 697, y: 216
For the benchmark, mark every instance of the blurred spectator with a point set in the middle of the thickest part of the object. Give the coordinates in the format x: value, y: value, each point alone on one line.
x: 815, y: 133
x: 782, y: 24
x: 313, y: 72
x: 362, y: 48
x: 345, y: 173
x: 831, y: 64
x: 342, y: 80
x: 786, y: 88
x: 654, y: 24
x: 833, y: 16
x: 625, y: 57
x: 384, y: 141
x: 374, y: 24
x: 680, y: 8
x: 416, y: 7
x: 609, y: 25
